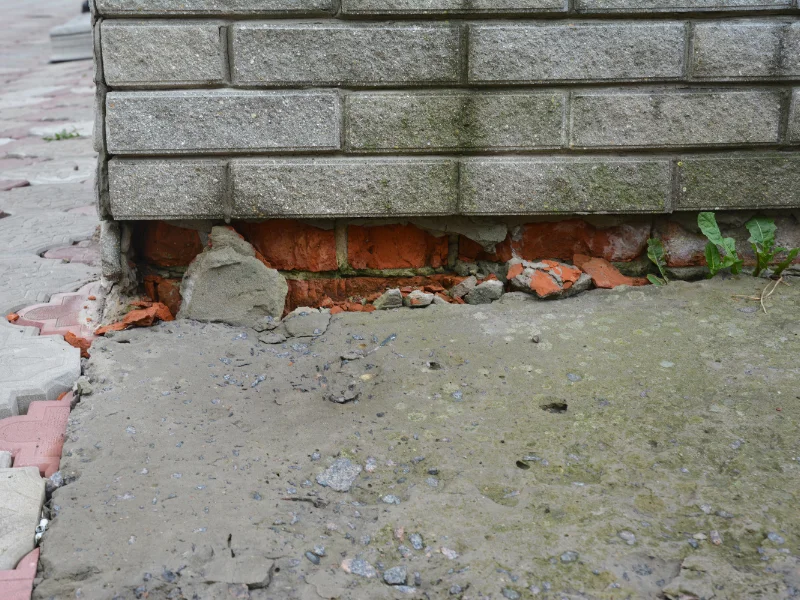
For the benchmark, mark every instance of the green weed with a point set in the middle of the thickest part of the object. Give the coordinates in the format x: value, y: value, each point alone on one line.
x: 655, y: 252
x: 720, y: 252
x: 62, y: 135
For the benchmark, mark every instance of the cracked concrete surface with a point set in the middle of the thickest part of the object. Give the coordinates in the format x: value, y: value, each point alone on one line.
x: 645, y: 447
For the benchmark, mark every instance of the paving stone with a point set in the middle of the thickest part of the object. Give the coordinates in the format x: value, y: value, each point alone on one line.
x: 18, y: 584
x: 35, y: 368
x: 5, y: 459
x: 28, y: 279
x: 28, y: 233
x: 10, y: 333
x: 36, y: 439
x: 57, y: 198
x: 345, y: 53
x: 86, y: 252
x: 195, y: 122
x: 163, y: 53
x: 65, y: 312
x: 583, y: 51
x: 21, y: 496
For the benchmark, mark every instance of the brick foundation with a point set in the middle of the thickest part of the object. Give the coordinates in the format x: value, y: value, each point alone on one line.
x: 349, y: 264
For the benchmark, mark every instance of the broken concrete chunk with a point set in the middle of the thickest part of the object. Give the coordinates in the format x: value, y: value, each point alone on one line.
x: 418, y: 299
x: 390, y: 299
x: 266, y: 324
x: 547, y: 279
x: 340, y: 475
x: 252, y: 571
x: 227, y: 284
x: 306, y: 322
x: 463, y: 288
x: 486, y: 293
x: 271, y: 338
x: 21, y: 496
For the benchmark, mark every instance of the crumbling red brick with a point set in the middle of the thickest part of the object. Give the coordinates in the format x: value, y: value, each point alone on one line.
x: 165, y: 245
x: 471, y: 251
x: 78, y: 342
x: 141, y: 317
x: 394, y: 247
x: 604, y: 274
x: 289, y: 245
x: 563, y: 239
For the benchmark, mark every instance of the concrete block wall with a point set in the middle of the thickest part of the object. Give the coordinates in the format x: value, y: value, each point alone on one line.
x: 338, y: 109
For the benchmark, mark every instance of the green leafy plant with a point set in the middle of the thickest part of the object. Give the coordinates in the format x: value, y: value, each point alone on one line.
x: 62, y: 135
x: 762, y: 239
x: 655, y: 252
x: 720, y: 252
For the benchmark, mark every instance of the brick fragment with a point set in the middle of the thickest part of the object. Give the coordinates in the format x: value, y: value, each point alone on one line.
x: 165, y: 245
x: 604, y: 274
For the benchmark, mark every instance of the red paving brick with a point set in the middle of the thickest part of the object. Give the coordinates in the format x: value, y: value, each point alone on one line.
x: 64, y: 312
x: 18, y: 584
x: 36, y: 439
x: 86, y: 252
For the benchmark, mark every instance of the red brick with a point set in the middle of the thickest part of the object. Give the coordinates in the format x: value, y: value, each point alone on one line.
x: 165, y: 245
x: 18, y: 584
x: 682, y: 248
x: 394, y: 247
x: 166, y: 291
x: 603, y: 273
x: 292, y: 245
x: 563, y: 239
x: 543, y: 284
x: 471, y: 251
x: 36, y: 439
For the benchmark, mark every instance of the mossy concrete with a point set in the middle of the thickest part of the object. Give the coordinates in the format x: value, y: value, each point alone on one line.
x: 680, y: 428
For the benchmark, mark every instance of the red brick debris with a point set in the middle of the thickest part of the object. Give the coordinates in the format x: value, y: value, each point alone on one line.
x: 140, y: 317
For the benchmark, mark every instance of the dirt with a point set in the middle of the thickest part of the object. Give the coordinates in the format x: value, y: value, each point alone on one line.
x: 645, y: 447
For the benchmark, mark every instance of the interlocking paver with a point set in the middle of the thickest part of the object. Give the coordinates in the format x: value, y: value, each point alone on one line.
x: 36, y: 439
x: 86, y: 252
x: 65, y: 312
x: 29, y: 279
x: 33, y: 234
x: 18, y: 584
x: 21, y: 496
x: 35, y: 368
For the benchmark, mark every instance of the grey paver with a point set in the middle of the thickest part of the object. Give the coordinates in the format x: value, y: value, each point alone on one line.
x: 26, y: 233
x: 21, y: 496
x: 30, y: 279
x: 36, y: 368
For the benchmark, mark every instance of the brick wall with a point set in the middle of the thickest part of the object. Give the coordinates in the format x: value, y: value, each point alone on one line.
x: 307, y: 109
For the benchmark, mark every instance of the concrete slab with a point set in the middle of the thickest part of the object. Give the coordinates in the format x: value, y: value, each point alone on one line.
x: 73, y: 312
x: 35, y: 368
x: 36, y: 439
x: 18, y: 584
x: 21, y: 496
x: 592, y: 464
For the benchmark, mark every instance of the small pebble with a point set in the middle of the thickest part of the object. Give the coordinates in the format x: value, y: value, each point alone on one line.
x: 775, y: 538
x: 510, y: 594
x: 312, y: 557
x: 569, y: 557
x: 391, y: 499
x: 628, y: 537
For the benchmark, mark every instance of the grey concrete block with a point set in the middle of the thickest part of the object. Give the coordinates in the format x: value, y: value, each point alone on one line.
x: 656, y: 6
x: 661, y: 118
x: 739, y: 181
x: 163, y: 53
x: 21, y: 496
x: 582, y: 51
x: 447, y: 7
x: 164, y: 188
x: 345, y: 53
x: 525, y: 185
x: 344, y: 187
x: 746, y: 49
x: 213, y: 121
x: 794, y: 118
x: 125, y: 8
x: 35, y: 368
x: 436, y: 121
x: 111, y: 250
